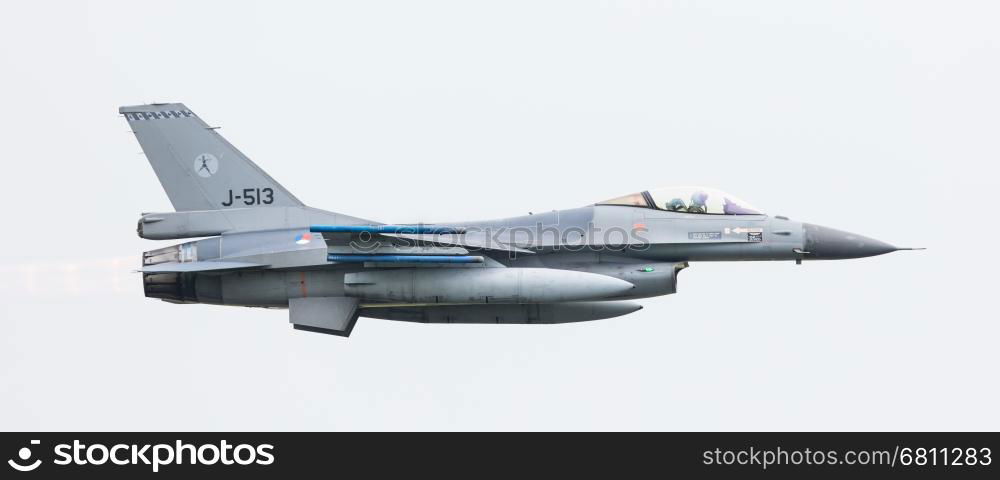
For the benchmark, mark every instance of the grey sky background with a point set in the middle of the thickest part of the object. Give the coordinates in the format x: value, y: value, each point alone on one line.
x: 879, y: 118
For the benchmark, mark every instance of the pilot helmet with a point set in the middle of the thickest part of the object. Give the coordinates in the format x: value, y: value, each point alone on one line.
x: 699, y: 198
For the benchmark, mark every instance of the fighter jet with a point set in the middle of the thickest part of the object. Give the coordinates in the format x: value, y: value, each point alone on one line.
x: 254, y: 244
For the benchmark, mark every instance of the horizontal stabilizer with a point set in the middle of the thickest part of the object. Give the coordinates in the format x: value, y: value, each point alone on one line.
x: 193, y: 267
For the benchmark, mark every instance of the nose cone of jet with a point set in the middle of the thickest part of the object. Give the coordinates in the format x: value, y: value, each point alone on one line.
x: 824, y: 243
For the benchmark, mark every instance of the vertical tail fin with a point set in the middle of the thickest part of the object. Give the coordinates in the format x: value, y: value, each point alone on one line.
x: 198, y: 168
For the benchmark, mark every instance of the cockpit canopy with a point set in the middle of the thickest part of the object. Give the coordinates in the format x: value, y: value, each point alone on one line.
x: 700, y: 200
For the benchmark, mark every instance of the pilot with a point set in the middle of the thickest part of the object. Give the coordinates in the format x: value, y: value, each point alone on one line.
x: 732, y: 208
x: 677, y: 205
x: 698, y: 200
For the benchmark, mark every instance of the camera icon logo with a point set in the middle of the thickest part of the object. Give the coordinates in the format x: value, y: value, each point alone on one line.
x: 25, y: 454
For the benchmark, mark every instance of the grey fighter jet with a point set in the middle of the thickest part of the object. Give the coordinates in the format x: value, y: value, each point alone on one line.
x: 259, y: 246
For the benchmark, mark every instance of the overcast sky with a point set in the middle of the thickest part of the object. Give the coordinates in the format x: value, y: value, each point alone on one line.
x: 879, y: 118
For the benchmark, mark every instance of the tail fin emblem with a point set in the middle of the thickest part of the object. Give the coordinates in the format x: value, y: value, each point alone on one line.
x: 205, y: 165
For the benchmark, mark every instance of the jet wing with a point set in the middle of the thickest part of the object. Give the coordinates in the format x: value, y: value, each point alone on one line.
x: 443, y: 237
x: 192, y: 267
x: 467, y: 240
